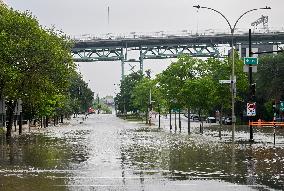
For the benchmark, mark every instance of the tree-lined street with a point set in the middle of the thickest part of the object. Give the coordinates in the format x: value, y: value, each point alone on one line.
x: 199, y: 124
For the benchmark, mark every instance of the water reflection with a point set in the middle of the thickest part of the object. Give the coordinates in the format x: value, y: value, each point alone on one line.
x: 181, y: 157
x: 105, y: 153
x: 31, y: 162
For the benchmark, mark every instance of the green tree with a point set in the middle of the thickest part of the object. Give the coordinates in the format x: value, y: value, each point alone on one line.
x: 123, y: 99
x: 80, y: 94
x: 141, y: 96
x: 36, y: 63
x: 172, y: 80
x: 269, y: 84
x: 217, y: 69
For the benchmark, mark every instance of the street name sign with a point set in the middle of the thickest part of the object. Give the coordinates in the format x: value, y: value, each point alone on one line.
x: 250, y: 61
x: 225, y: 81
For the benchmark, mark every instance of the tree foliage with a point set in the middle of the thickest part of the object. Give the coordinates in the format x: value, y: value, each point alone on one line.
x: 123, y: 99
x: 36, y: 65
x: 269, y: 84
x: 192, y: 83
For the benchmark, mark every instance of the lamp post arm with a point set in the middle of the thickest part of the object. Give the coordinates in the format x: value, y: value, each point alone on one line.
x: 233, y: 29
x: 220, y: 14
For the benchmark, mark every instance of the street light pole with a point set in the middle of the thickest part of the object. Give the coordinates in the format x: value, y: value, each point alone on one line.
x: 233, y: 80
x: 148, y: 72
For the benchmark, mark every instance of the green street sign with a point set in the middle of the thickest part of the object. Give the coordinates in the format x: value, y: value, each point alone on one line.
x: 175, y: 110
x: 282, y: 106
x: 250, y: 61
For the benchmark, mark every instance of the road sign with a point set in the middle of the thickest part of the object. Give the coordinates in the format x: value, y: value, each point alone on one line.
x: 282, y: 106
x: 251, y: 111
x: 175, y: 110
x: 250, y: 60
x: 224, y: 81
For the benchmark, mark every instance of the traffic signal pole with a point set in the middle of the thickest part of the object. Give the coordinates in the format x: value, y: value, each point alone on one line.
x: 251, y: 89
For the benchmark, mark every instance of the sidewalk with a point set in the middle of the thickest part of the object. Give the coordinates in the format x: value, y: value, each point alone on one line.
x: 260, y: 135
x: 165, y: 123
x: 30, y: 128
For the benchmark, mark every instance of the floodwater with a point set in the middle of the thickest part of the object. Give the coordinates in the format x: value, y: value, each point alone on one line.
x: 107, y: 153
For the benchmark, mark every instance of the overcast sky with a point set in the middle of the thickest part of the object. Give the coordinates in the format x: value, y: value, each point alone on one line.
x: 78, y: 17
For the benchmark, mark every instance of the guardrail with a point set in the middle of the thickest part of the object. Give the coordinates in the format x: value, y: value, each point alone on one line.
x: 273, y: 124
x: 267, y: 124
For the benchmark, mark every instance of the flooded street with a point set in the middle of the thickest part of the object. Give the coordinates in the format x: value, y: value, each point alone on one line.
x: 107, y: 153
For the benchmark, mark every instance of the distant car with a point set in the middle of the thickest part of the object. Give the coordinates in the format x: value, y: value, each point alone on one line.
x: 211, y: 120
x: 194, y: 117
x: 279, y: 119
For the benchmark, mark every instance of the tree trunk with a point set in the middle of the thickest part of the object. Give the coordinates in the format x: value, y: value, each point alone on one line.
x: 147, y: 117
x: 201, y: 122
x: 10, y: 113
x: 46, y: 121
x: 220, y: 121
x: 171, y: 119
x: 175, y: 121
x: 188, y: 120
x: 15, y: 122
x: 179, y: 120
x: 20, y: 123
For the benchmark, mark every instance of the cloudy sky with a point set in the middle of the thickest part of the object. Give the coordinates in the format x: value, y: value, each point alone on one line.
x: 77, y: 18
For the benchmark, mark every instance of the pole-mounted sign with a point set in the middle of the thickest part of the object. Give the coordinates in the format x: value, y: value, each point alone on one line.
x: 282, y: 106
x: 251, y: 109
x: 250, y: 61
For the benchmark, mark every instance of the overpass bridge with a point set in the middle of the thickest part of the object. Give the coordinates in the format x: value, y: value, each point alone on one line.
x: 169, y: 46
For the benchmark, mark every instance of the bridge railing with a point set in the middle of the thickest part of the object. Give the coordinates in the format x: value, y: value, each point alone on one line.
x: 170, y: 34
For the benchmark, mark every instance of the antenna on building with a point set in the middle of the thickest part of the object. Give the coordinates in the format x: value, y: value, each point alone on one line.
x: 108, y: 15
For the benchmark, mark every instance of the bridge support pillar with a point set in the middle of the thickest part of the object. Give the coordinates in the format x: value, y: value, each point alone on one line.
x: 141, y: 60
x: 141, y: 65
x: 122, y: 68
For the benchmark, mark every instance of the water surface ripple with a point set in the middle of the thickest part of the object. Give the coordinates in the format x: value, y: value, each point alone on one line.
x: 107, y: 153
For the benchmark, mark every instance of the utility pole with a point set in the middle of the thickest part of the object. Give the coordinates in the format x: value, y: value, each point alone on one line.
x: 252, y: 89
x: 233, y: 82
x: 148, y: 72
x: 159, y: 115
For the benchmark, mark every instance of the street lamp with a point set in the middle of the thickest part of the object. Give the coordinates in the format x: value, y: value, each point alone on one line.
x: 148, y: 73
x: 233, y: 80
